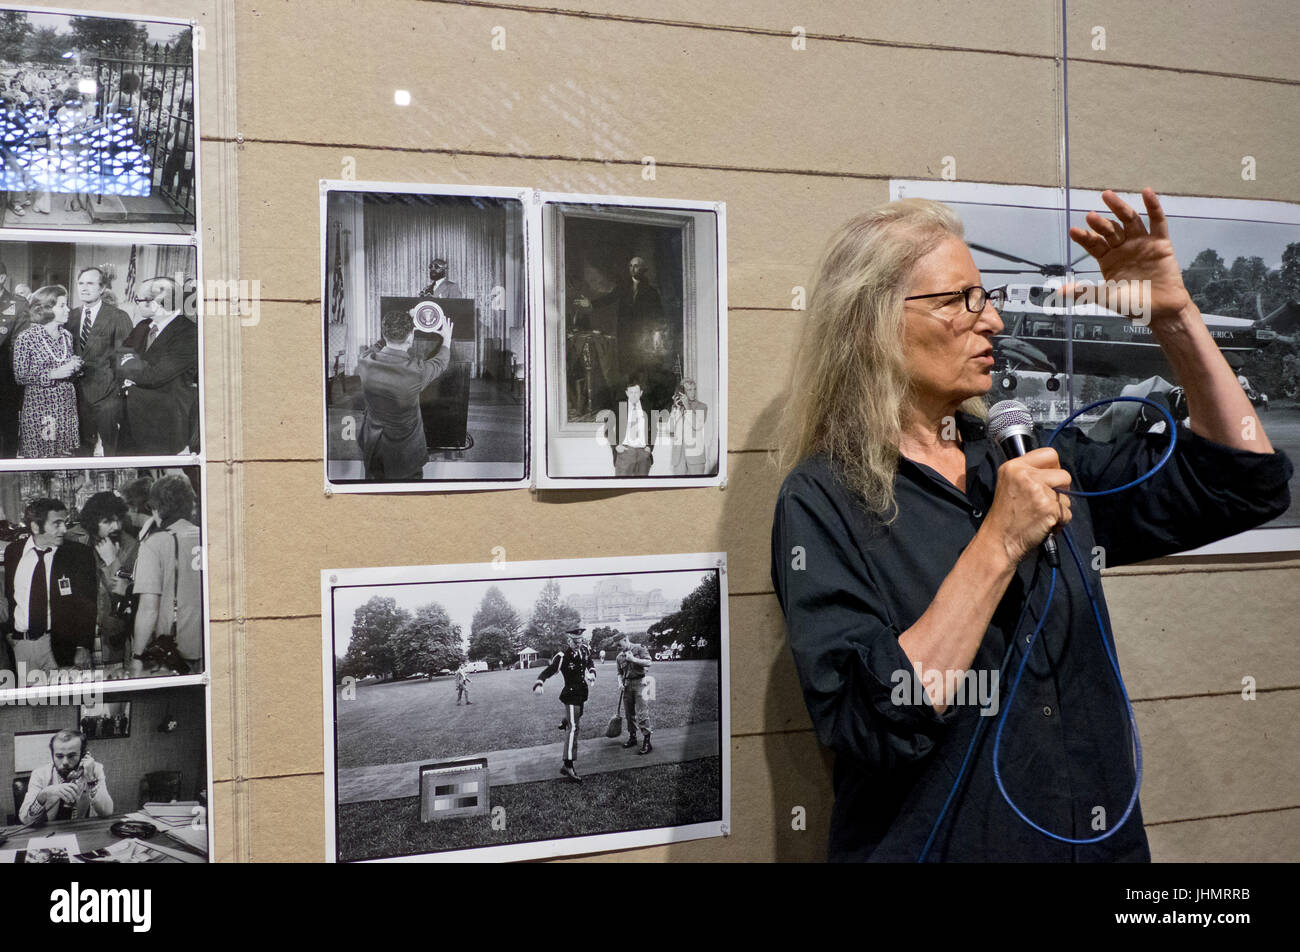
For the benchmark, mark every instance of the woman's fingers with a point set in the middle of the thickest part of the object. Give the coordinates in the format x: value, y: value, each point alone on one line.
x: 1092, y: 243
x: 1129, y: 218
x: 1159, y: 224
x: 1108, y: 229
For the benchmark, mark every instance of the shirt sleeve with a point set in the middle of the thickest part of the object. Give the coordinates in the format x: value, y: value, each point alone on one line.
x: 32, y: 812
x: 1205, y: 492
x: 149, y: 567
x: 861, y: 690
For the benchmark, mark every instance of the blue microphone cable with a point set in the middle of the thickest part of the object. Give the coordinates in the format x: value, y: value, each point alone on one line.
x: 1033, y: 638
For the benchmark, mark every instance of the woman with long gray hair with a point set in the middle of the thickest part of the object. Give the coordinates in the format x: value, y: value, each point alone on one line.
x: 906, y: 553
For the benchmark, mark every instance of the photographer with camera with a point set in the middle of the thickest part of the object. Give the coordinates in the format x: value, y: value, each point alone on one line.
x: 169, y: 617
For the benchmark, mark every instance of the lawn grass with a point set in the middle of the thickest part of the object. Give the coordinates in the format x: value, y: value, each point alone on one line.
x: 643, y: 798
x: 419, y: 720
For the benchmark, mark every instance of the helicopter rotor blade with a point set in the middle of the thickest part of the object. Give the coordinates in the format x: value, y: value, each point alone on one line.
x: 1002, y: 254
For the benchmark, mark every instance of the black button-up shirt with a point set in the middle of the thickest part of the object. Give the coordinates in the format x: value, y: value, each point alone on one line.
x: 850, y: 585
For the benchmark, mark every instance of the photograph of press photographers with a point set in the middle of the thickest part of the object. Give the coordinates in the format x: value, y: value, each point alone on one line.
x: 97, y: 128
x: 99, y: 350
x: 99, y: 776
x: 102, y: 575
x: 635, y: 343
x: 426, y: 342
x: 1240, y: 262
x: 560, y: 707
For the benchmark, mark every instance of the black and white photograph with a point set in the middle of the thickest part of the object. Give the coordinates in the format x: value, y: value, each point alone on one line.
x: 515, y: 711
x: 426, y: 345
x: 99, y: 349
x: 634, y: 343
x: 1240, y: 261
x: 105, y: 718
x: 103, y: 575
x: 97, y: 127
x: 105, y: 775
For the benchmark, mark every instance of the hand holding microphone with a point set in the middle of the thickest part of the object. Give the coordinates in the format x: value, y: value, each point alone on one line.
x: 1026, y: 504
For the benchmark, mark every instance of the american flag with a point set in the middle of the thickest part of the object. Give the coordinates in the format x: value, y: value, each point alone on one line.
x: 129, y: 293
x: 336, y: 281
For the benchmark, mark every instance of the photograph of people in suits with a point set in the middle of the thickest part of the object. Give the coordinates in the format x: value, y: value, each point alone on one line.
x: 72, y: 381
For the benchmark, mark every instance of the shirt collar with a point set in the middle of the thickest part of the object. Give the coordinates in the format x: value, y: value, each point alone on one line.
x: 162, y: 322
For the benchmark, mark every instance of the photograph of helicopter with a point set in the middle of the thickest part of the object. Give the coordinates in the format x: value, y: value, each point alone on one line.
x: 1042, y: 334
x: 1240, y: 261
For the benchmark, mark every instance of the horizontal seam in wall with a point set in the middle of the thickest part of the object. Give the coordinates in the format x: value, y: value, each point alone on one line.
x: 750, y: 30
x: 284, y: 776
x: 702, y: 166
x: 1219, y: 74
x: 857, y: 40
x: 556, y: 157
x: 1219, y: 816
x: 789, y: 730
x: 1185, y: 697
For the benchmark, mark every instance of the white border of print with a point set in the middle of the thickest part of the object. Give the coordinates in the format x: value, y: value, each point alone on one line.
x: 528, y: 220
x: 1280, y: 539
x: 703, y: 561
x: 541, y: 372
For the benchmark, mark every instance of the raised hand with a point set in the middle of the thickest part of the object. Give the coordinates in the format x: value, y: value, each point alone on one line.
x: 1128, y: 253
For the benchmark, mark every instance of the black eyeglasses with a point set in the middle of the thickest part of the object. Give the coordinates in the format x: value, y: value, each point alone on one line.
x: 976, y: 297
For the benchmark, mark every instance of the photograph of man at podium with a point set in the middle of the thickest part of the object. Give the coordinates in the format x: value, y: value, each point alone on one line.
x: 436, y: 254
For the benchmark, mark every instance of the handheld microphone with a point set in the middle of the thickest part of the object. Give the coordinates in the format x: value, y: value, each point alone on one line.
x: 1012, y: 428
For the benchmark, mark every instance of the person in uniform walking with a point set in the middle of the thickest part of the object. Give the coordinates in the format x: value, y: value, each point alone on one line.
x: 462, y: 686
x: 633, y: 659
x: 578, y: 667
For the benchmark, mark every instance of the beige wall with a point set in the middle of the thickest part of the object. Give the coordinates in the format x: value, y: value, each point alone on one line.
x: 793, y: 142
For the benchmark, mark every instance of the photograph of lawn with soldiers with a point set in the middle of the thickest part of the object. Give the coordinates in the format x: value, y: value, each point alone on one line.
x: 546, y: 709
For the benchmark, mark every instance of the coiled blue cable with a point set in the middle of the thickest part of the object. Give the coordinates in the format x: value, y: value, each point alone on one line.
x: 1033, y: 638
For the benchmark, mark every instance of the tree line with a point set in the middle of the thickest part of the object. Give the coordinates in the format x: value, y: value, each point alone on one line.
x: 390, y: 642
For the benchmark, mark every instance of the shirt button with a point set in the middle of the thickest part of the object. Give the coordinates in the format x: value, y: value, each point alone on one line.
x: 1047, y: 710
x: 1029, y: 638
x: 978, y: 514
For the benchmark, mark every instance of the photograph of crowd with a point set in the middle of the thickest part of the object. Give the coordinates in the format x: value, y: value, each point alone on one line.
x: 565, y: 708
x: 426, y: 347
x: 97, y: 126
x: 635, y: 392
x: 99, y: 350
x: 102, y: 575
x: 118, y: 778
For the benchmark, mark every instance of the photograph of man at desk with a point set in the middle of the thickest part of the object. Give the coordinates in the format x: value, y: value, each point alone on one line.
x: 138, y: 798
